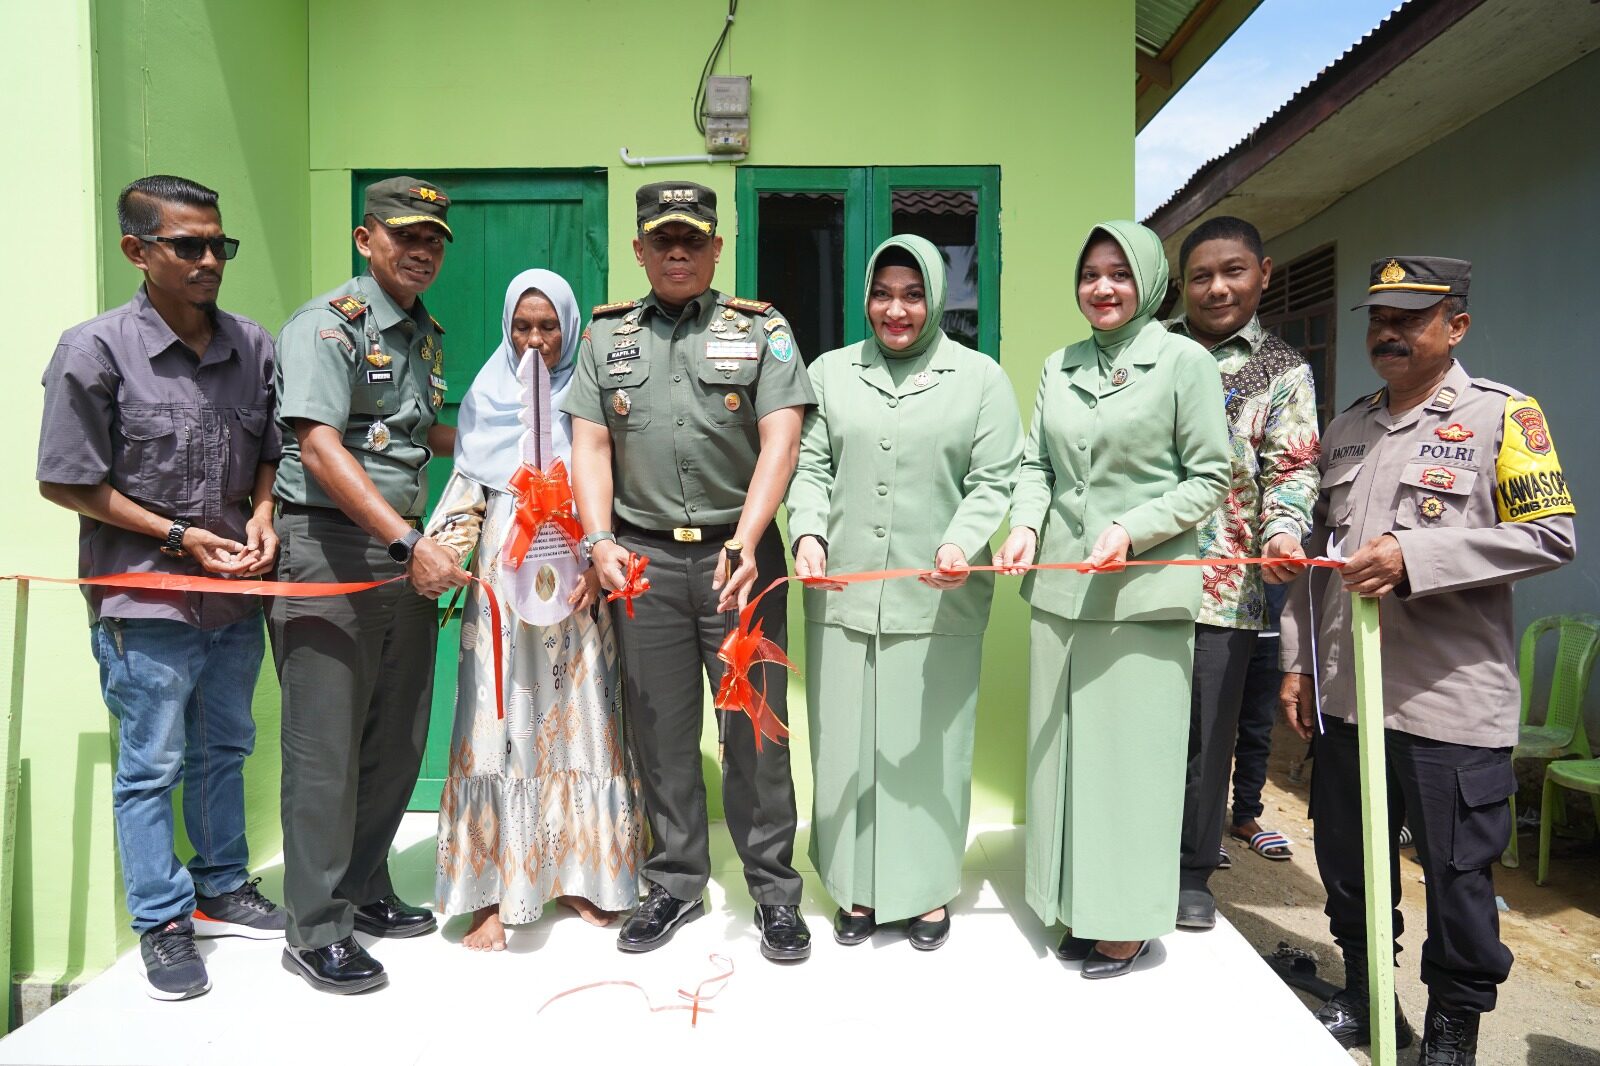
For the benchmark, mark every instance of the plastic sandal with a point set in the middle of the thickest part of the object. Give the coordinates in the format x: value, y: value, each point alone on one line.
x: 1224, y: 860
x: 1270, y: 845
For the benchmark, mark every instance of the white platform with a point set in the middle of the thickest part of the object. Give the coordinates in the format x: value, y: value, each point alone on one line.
x: 995, y: 987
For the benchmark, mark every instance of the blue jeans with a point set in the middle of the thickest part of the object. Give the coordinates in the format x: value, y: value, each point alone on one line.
x: 181, y: 697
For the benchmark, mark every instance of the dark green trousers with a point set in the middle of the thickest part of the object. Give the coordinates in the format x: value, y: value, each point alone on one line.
x: 357, y: 679
x: 668, y: 650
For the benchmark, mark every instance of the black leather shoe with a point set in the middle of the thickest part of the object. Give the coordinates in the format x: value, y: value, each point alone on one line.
x: 852, y: 929
x: 784, y: 935
x: 929, y: 936
x: 342, y: 968
x: 1449, y: 1038
x: 655, y: 920
x: 393, y: 917
x: 1197, y: 909
x: 1097, y: 967
x: 1074, y: 948
x: 1348, y: 1020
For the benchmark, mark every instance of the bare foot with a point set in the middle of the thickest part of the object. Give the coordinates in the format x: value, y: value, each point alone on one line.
x: 1118, y: 949
x: 587, y: 910
x: 485, y: 933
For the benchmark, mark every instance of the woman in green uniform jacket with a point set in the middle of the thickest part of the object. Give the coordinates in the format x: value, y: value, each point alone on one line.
x: 1128, y: 452
x: 908, y: 460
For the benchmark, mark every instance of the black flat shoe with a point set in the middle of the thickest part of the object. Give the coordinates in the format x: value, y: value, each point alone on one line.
x: 393, y: 917
x: 342, y: 968
x: 1197, y: 909
x: 1098, y: 967
x: 1074, y: 948
x: 929, y: 936
x: 655, y: 920
x: 784, y: 934
x: 852, y: 929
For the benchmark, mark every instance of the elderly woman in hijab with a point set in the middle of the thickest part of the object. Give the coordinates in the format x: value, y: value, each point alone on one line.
x: 540, y: 798
x: 907, y: 460
x: 1128, y: 452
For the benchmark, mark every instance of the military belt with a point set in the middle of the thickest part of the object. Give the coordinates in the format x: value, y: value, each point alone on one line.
x: 679, y: 534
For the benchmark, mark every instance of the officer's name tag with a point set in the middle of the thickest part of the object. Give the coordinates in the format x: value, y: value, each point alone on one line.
x: 630, y: 351
x: 732, y: 350
x: 379, y: 377
x: 438, y: 382
x: 1347, y: 453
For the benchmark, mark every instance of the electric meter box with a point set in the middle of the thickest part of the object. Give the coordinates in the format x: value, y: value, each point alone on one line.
x: 727, y: 114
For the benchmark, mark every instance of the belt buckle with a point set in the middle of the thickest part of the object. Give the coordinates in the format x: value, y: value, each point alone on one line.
x: 687, y: 535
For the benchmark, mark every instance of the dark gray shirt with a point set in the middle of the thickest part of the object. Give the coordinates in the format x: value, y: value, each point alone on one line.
x: 126, y: 402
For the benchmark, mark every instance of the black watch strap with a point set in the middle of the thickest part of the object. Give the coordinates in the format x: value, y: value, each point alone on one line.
x: 400, y: 550
x: 794, y: 549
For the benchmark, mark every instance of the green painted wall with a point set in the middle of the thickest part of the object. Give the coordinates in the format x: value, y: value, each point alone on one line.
x: 1518, y: 202
x: 1042, y: 91
x: 215, y: 91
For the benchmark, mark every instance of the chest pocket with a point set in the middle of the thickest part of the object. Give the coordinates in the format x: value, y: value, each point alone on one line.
x: 626, y: 397
x: 1337, y: 483
x: 245, y: 428
x: 729, y: 394
x: 1434, y: 495
x: 155, y: 460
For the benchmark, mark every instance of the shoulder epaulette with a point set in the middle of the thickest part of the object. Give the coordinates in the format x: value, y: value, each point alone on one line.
x: 759, y: 307
x: 611, y: 309
x: 438, y: 328
x: 1489, y: 385
x: 1372, y: 399
x: 351, y: 307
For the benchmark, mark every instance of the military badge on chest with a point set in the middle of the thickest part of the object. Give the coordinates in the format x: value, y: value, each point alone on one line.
x: 1432, y: 508
x: 621, y: 403
x: 378, y: 437
x: 1119, y: 377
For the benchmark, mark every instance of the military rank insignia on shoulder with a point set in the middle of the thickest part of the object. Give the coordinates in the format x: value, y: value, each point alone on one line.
x: 436, y: 327
x: 611, y: 309
x: 757, y: 307
x: 351, y: 307
x: 1529, y: 483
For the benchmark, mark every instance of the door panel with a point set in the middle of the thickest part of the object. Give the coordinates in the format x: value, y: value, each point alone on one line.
x: 504, y: 222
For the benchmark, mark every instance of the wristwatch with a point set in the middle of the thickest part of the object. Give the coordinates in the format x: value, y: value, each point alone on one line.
x: 587, y: 544
x: 173, y: 545
x: 400, y: 550
x: 794, y: 549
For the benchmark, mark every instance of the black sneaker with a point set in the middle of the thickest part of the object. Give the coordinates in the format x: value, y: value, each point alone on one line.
x: 172, y: 966
x: 1449, y: 1038
x: 242, y: 912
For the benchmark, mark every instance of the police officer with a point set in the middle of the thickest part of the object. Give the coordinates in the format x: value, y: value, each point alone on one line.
x: 1441, y: 489
x: 360, y: 381
x: 688, y: 406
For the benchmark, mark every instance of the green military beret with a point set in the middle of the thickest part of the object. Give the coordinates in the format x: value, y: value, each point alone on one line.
x: 405, y: 201
x: 661, y: 202
x: 1413, y: 282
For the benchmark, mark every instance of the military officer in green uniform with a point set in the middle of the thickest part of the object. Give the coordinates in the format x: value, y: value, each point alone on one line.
x: 687, y: 410
x: 360, y: 380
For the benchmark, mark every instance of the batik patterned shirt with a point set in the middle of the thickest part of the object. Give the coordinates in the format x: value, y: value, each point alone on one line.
x: 1272, y: 423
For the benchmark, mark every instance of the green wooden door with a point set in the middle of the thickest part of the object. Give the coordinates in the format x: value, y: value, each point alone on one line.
x: 504, y: 221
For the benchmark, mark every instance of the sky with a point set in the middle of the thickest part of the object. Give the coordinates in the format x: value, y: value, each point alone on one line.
x: 1278, y: 49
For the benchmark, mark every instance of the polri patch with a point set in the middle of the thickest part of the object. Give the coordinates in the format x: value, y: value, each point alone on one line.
x: 1529, y: 483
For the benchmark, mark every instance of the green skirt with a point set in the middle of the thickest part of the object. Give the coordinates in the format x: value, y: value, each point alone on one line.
x: 1108, y: 735
x: 891, y: 722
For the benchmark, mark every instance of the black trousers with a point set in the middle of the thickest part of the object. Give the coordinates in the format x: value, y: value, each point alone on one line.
x: 357, y: 680
x: 1453, y: 797
x: 1221, y: 658
x: 669, y: 651
x: 1258, y: 711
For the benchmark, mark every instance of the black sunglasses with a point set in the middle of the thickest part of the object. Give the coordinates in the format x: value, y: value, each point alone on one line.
x: 195, y: 247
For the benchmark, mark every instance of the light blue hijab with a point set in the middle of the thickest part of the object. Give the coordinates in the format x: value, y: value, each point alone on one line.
x: 489, y: 428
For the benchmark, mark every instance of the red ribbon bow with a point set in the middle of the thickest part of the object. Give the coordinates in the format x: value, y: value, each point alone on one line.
x: 740, y: 652
x: 635, y: 585
x: 544, y: 497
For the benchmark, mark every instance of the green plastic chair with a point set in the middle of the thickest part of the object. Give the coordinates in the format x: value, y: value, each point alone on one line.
x: 1579, y: 775
x: 1562, y: 733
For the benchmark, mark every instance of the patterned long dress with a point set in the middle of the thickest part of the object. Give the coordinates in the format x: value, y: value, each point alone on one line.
x: 542, y: 802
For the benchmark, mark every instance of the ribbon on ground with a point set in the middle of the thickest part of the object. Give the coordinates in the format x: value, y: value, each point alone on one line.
x: 228, y: 586
x: 635, y: 583
x: 745, y: 646
x: 544, y: 498
x: 694, y: 1000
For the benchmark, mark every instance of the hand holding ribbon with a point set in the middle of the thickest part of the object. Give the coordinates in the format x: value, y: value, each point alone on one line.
x: 544, y: 497
x: 740, y: 652
x: 635, y: 585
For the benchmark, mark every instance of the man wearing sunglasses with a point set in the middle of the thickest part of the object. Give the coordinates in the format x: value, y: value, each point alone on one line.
x: 157, y: 431
x: 360, y: 384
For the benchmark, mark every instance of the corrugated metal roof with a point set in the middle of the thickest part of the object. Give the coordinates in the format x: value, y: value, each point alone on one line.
x: 1155, y: 21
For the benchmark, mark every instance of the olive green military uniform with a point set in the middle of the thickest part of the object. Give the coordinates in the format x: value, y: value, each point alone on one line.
x: 682, y: 398
x: 356, y: 671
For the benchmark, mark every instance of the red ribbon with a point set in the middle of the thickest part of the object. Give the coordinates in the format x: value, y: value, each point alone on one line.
x: 245, y: 587
x: 635, y: 585
x: 696, y: 999
x: 745, y: 646
x: 544, y: 497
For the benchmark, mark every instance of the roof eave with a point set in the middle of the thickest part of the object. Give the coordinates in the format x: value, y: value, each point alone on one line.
x: 1205, y: 30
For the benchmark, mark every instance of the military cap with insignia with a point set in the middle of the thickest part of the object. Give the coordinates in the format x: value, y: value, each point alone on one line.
x: 1413, y: 282
x: 405, y: 201
x: 661, y: 202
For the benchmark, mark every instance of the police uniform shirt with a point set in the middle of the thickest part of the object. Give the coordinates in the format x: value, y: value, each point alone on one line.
x: 1470, y: 486
x: 682, y: 398
x: 353, y: 360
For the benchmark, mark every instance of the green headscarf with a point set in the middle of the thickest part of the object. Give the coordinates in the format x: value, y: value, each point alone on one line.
x: 933, y: 284
x: 1148, y: 259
